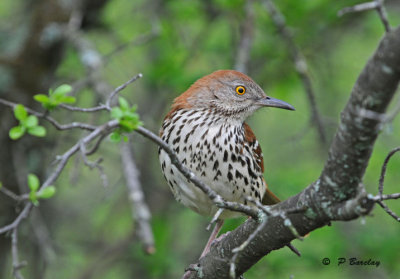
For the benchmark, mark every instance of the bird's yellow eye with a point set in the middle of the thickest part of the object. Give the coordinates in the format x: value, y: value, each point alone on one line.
x: 240, y: 90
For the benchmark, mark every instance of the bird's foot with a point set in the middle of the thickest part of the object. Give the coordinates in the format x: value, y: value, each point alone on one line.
x: 219, y: 238
x: 191, y: 268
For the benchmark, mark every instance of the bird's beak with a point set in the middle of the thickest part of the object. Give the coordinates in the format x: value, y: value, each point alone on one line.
x: 276, y: 103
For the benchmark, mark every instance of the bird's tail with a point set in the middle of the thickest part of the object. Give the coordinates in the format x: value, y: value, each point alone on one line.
x: 270, y: 198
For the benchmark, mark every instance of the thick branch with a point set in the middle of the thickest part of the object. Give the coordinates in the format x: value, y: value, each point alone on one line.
x: 338, y: 193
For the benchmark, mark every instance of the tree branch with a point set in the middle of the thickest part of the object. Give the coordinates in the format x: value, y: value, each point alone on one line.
x: 217, y: 199
x: 381, y: 197
x: 140, y: 210
x: 45, y: 116
x: 62, y: 161
x: 300, y: 63
x: 17, y: 265
x: 120, y: 88
x: 338, y: 194
x: 373, y: 5
x: 245, y: 38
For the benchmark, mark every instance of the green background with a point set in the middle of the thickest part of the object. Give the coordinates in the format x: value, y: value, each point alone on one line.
x: 91, y: 231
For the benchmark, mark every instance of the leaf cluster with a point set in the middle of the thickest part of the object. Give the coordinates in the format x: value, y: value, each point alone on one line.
x: 127, y: 117
x: 27, y: 123
x: 56, y: 97
x: 35, y: 194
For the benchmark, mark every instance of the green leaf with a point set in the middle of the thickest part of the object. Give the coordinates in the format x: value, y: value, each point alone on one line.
x: 133, y: 108
x: 33, y: 182
x: 127, y: 125
x: 37, y: 131
x: 125, y: 138
x: 50, y: 105
x: 16, y: 132
x: 46, y: 193
x: 131, y: 116
x: 31, y: 121
x: 20, y: 112
x: 115, y: 137
x: 123, y: 103
x: 62, y: 90
x: 1, y: 184
x: 116, y: 113
x: 33, y: 198
x: 68, y: 100
x: 41, y: 98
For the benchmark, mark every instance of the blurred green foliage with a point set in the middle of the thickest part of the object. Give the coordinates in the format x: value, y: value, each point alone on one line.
x: 27, y: 123
x: 173, y: 43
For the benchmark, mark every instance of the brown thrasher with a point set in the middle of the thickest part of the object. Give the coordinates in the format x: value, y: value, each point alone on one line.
x: 206, y: 129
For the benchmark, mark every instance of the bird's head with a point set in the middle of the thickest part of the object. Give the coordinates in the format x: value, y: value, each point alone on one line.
x: 229, y: 93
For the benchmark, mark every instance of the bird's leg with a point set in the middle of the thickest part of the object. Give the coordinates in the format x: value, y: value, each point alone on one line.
x: 214, y: 233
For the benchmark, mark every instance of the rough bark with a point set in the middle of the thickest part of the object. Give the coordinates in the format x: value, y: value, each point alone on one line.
x: 338, y: 194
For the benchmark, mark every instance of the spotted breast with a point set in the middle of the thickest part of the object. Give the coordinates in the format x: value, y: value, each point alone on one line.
x: 206, y: 129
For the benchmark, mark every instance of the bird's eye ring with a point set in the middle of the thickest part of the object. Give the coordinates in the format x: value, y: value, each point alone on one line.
x: 240, y: 90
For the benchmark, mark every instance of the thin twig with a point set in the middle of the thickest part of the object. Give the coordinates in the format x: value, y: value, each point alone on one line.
x: 140, y: 210
x: 137, y: 41
x: 383, y: 16
x: 93, y: 109
x: 377, y: 5
x: 43, y: 239
x: 24, y: 213
x: 99, y: 131
x: 106, y: 106
x: 75, y: 125
x: 61, y: 163
x: 388, y: 210
x: 119, y: 88
x: 286, y: 221
x: 94, y: 164
x: 381, y: 197
x: 349, y: 156
x: 263, y: 221
x: 301, y: 67
x: 383, y: 170
x: 246, y: 38
x: 96, y: 145
x: 89, y: 56
x: 17, y: 265
x: 215, y: 198
x: 267, y: 210
x: 54, y: 122
x: 10, y: 194
x: 359, y: 8
x: 235, y: 251
x: 386, y: 197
